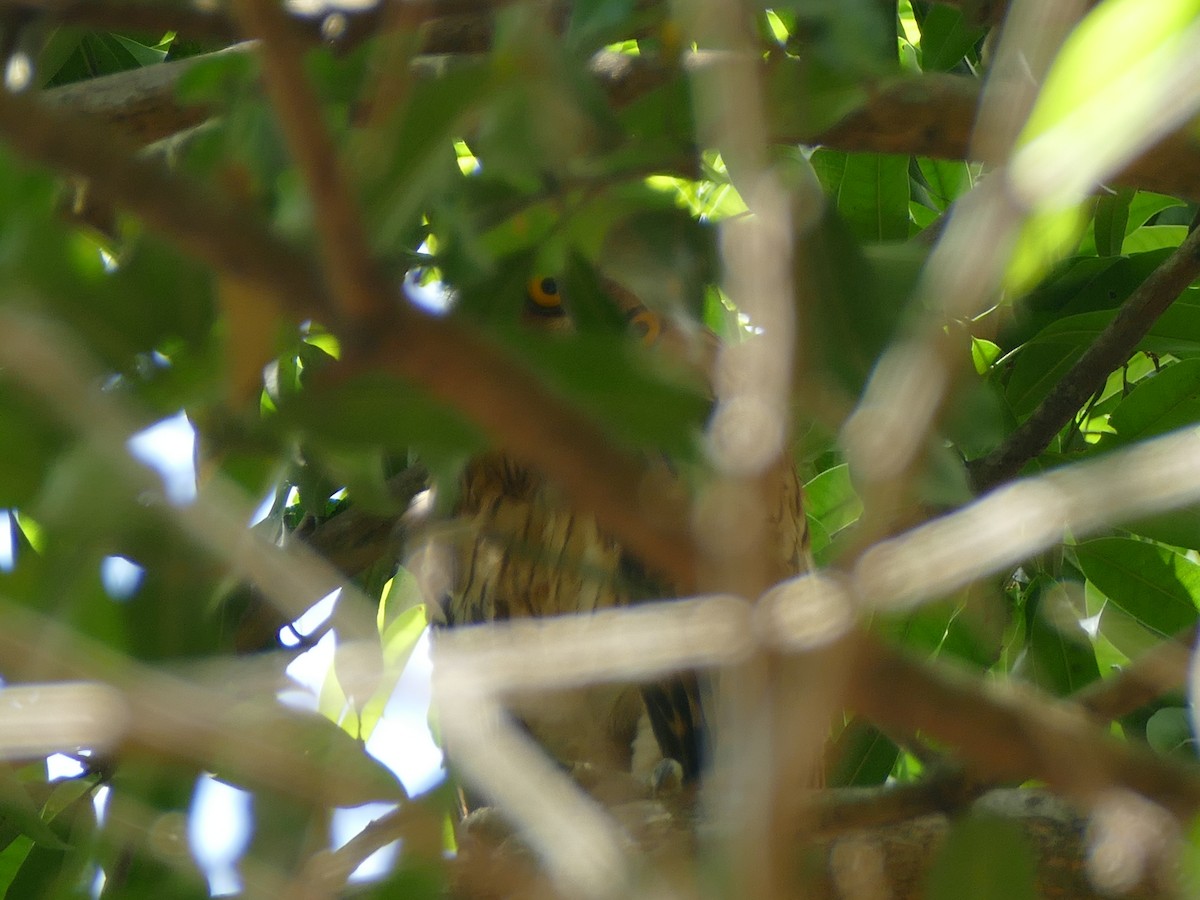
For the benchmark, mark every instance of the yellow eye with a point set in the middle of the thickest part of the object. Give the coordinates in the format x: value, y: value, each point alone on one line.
x: 544, y: 293
x: 646, y: 325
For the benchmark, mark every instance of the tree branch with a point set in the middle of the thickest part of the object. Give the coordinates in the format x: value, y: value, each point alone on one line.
x: 1012, y: 737
x: 1156, y: 672
x: 950, y: 789
x: 354, y: 279
x: 1111, y: 349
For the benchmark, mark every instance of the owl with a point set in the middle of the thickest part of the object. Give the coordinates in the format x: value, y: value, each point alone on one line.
x: 521, y: 550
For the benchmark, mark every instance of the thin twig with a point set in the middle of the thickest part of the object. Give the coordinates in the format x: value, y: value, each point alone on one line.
x: 1111, y: 349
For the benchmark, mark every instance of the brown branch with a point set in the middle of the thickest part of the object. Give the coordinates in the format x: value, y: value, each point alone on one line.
x: 900, y: 855
x: 141, y: 103
x: 1110, y: 350
x: 1012, y: 737
x: 950, y: 789
x: 844, y: 810
x: 873, y: 860
x: 1158, y: 671
x: 354, y: 279
x: 934, y: 116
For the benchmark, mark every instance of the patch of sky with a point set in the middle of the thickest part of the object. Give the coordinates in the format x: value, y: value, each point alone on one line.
x: 168, y: 447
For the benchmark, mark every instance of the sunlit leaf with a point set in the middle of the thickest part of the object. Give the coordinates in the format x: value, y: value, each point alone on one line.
x: 1165, y: 401
x: 831, y: 500
x: 1155, y: 585
x: 1103, y: 93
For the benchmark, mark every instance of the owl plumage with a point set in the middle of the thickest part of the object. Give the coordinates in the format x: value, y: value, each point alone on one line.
x: 521, y: 550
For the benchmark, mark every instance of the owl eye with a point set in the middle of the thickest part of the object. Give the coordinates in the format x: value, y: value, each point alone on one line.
x: 646, y: 325
x: 544, y: 293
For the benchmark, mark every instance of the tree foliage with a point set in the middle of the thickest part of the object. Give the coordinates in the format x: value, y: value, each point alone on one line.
x: 981, y: 218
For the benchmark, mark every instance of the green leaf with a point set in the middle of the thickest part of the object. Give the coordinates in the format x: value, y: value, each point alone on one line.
x: 983, y: 354
x: 53, y: 868
x: 865, y: 756
x: 947, y: 180
x: 869, y: 191
x: 420, y: 159
x: 216, y: 77
x: 986, y: 858
x: 1163, y: 402
x: 849, y: 37
x: 1042, y: 362
x: 621, y: 384
x: 1058, y: 654
x: 1080, y: 285
x: 378, y: 412
x: 1155, y: 237
x: 1111, y: 218
x: 142, y: 54
x: 1189, y: 862
x: 413, y: 880
x: 400, y: 637
x: 946, y: 38
x: 1155, y: 585
x: 1102, y: 90
x: 805, y: 98
x: 1179, y: 528
x: 1145, y: 205
x: 595, y: 22
x: 1138, y: 210
x: 20, y: 813
x: 960, y: 628
x: 830, y: 499
x: 1046, y: 238
x: 860, y: 297
x: 32, y: 443
x: 1169, y: 732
